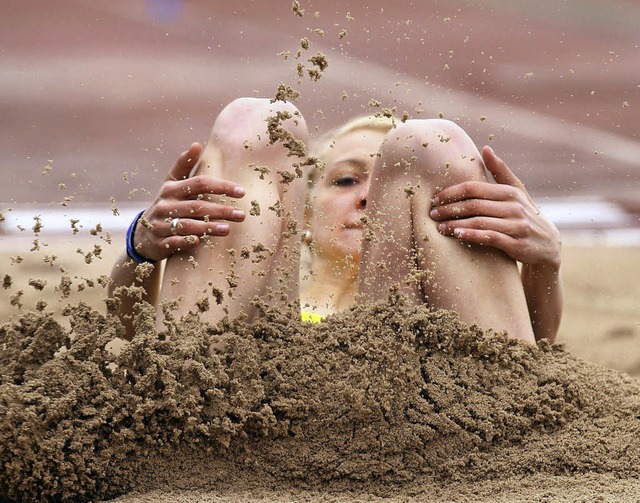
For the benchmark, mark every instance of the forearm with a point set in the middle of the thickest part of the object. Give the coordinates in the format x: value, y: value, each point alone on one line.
x: 130, y: 285
x: 545, y: 296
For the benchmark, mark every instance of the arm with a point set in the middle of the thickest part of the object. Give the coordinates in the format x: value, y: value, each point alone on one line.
x: 153, y: 239
x: 545, y: 295
x: 504, y: 215
x: 147, y: 288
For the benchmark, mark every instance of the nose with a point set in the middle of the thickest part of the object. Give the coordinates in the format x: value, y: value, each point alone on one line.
x: 362, y: 201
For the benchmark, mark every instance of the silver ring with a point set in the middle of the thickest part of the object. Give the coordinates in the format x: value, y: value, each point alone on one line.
x: 174, y: 226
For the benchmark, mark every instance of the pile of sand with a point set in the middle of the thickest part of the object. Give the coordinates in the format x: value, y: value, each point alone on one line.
x: 381, y: 400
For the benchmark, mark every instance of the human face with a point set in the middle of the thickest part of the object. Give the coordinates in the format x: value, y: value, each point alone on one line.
x: 339, y: 196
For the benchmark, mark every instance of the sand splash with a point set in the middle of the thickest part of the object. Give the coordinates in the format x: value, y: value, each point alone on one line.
x: 384, y: 396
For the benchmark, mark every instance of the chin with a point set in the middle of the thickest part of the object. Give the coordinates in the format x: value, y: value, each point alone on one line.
x: 352, y: 256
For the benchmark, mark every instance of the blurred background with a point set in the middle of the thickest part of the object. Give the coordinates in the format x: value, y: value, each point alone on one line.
x: 98, y: 98
x: 103, y: 88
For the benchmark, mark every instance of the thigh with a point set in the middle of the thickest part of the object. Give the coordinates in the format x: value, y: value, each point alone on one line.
x: 259, y: 257
x: 405, y: 249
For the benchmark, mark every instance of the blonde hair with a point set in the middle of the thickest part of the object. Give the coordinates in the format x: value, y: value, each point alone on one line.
x: 321, y: 146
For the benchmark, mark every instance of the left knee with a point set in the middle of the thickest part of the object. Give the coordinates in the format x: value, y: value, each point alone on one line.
x: 429, y: 149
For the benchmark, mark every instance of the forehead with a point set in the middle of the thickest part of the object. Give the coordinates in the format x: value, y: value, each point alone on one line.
x: 360, y: 144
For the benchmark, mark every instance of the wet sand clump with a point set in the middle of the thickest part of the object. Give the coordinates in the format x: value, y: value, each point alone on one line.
x: 382, y: 399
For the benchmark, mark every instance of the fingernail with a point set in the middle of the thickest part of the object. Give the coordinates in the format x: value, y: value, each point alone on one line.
x: 442, y: 228
x: 435, y: 201
x: 237, y: 215
x: 239, y: 191
x: 222, y: 228
x: 434, y: 213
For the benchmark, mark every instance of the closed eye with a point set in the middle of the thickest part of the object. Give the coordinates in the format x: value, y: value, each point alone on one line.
x: 345, y: 181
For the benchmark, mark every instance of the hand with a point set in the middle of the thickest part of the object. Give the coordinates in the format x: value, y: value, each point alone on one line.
x: 188, y: 199
x: 501, y: 215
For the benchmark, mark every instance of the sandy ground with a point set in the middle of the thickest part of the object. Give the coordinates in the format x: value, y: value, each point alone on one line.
x: 601, y: 325
x: 601, y: 321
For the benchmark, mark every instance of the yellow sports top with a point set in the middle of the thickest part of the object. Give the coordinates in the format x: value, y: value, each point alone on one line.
x: 310, y: 317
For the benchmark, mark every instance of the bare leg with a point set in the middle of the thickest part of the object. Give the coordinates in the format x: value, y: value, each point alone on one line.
x: 260, y: 256
x: 405, y: 248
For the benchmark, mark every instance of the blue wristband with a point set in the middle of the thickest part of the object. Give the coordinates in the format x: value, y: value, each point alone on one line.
x: 131, y: 249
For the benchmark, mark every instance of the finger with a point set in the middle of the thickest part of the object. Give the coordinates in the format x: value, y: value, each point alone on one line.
x: 185, y: 163
x: 165, y: 210
x: 495, y: 239
x: 201, y: 186
x: 514, y: 229
x: 474, y: 190
x: 160, y: 248
x: 499, y: 169
x: 193, y: 227
x: 174, y: 244
x: 189, y: 234
x: 475, y: 207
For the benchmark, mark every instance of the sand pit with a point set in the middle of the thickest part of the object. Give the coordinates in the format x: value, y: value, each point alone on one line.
x: 384, y: 401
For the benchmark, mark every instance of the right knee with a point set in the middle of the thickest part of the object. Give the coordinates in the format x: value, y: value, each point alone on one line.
x: 245, y: 123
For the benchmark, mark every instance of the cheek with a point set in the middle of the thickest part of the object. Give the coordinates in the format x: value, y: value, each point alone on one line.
x: 321, y: 218
x: 331, y: 209
x: 326, y: 207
